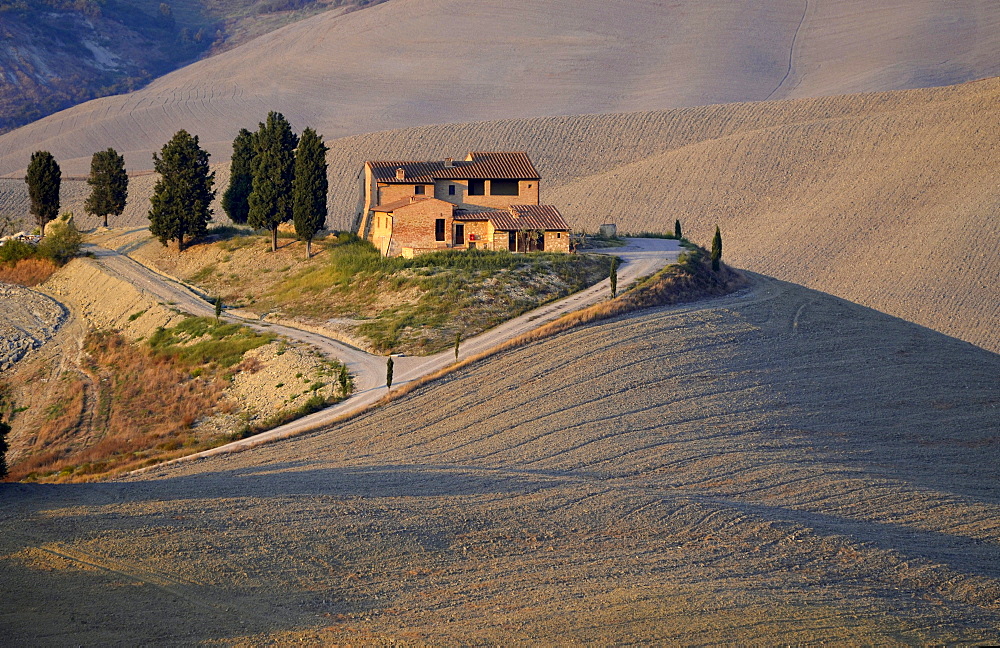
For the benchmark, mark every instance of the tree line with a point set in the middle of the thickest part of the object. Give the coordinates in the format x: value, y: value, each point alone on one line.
x: 108, y: 186
x: 276, y: 177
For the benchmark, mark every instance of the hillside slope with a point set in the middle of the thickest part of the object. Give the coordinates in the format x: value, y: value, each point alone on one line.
x: 782, y: 467
x: 889, y: 199
x: 413, y: 62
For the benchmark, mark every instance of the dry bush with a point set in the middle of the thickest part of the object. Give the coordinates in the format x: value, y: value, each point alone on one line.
x: 27, y: 272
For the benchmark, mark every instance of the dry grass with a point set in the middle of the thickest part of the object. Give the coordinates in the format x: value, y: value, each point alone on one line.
x: 130, y: 407
x: 27, y: 272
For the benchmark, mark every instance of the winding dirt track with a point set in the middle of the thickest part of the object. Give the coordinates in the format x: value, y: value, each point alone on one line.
x: 640, y: 258
x: 775, y: 467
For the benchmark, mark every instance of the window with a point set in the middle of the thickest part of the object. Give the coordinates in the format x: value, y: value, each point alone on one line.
x: 504, y: 188
x: 477, y: 187
x: 439, y: 229
x: 418, y: 190
x: 451, y: 190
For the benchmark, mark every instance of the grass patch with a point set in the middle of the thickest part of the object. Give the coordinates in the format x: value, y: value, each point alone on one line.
x: 200, y: 341
x: 415, y: 305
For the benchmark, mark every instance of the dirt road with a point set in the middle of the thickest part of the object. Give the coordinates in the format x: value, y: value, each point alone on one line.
x: 641, y: 257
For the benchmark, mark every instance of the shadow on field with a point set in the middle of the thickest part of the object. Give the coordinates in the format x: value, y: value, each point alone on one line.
x: 899, y: 400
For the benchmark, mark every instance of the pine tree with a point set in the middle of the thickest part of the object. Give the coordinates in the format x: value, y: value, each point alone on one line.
x: 182, y: 197
x: 236, y: 199
x: 677, y: 229
x: 309, y: 188
x: 273, y: 173
x: 43, y: 178
x: 108, y: 185
x: 716, y: 249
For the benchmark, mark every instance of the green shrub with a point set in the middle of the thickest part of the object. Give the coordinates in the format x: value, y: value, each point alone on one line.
x: 61, y: 245
x: 14, y: 250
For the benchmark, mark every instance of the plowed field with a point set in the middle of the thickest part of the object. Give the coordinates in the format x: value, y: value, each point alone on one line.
x: 776, y: 467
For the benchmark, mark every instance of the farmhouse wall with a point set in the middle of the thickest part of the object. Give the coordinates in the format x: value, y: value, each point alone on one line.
x: 414, y: 225
x: 527, y: 195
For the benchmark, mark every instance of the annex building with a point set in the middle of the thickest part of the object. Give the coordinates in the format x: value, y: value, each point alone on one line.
x: 488, y: 201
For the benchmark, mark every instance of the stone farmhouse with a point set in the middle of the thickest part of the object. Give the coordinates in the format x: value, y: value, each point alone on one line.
x: 487, y: 201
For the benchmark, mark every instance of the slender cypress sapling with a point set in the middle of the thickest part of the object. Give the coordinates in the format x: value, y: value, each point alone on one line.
x: 716, y: 249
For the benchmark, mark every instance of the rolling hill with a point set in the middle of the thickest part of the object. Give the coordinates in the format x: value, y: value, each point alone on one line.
x: 777, y: 467
x: 889, y: 200
x: 411, y: 62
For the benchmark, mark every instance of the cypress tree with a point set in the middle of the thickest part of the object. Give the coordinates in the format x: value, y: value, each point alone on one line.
x: 388, y: 373
x: 677, y: 229
x: 343, y: 378
x: 4, y: 431
x: 43, y: 178
x: 458, y: 340
x: 309, y: 188
x: 273, y: 173
x: 236, y: 199
x: 108, y: 185
x: 614, y: 277
x: 182, y: 197
x: 716, y: 249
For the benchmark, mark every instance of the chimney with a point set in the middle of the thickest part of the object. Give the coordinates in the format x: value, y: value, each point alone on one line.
x: 400, y: 174
x: 449, y: 162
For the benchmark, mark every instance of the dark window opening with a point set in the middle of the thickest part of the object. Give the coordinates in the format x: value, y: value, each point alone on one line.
x: 451, y: 190
x: 504, y: 187
x: 526, y: 241
x: 419, y: 190
x: 477, y: 187
x: 439, y: 229
x: 459, y: 234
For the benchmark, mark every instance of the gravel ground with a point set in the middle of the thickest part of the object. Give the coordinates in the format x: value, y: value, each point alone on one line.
x: 778, y: 467
x: 27, y: 321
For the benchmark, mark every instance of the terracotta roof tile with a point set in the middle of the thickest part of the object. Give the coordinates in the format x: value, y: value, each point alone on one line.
x: 513, y: 165
x: 529, y: 217
x: 396, y: 204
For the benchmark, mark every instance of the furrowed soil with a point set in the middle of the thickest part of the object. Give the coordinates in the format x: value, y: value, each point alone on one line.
x: 393, y: 66
x: 777, y: 466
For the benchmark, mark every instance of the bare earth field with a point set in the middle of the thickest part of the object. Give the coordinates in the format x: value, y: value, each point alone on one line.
x: 775, y: 467
x: 414, y: 62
